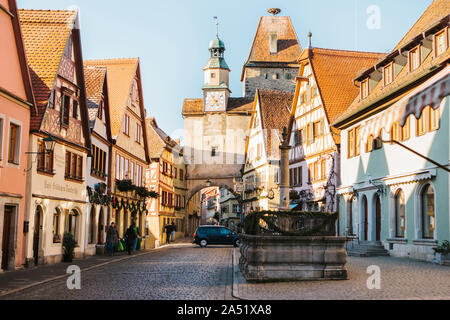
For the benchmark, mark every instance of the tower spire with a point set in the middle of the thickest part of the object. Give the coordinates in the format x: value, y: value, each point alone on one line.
x: 217, y: 26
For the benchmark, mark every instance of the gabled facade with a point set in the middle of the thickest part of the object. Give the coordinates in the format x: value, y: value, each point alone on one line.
x: 16, y: 106
x: 56, y: 182
x: 98, y: 175
x: 324, y: 90
x: 210, y: 205
x: 230, y: 209
x: 395, y: 144
x: 261, y: 172
x: 129, y: 152
x: 165, y: 175
x: 272, y: 61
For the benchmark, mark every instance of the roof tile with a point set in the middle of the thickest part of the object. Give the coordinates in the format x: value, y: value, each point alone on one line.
x: 45, y: 34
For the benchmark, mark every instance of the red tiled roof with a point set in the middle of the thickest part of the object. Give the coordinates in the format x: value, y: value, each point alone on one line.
x: 120, y: 75
x: 195, y: 106
x: 94, y: 78
x: 334, y: 71
x: 275, y: 111
x: 438, y: 9
x: 45, y: 34
x: 289, y: 48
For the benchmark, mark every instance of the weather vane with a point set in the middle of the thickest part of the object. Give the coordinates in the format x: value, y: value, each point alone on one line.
x: 217, y: 25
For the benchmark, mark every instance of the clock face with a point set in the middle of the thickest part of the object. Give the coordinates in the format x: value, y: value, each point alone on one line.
x: 215, y: 100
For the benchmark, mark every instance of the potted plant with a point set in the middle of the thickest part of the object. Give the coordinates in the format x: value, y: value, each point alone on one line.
x: 69, y: 247
x: 442, y: 252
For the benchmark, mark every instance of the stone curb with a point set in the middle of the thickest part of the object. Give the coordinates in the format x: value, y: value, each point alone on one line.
x: 9, y: 292
x: 234, y: 274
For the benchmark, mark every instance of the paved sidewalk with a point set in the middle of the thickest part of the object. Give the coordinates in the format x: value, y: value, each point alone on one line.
x: 400, y: 279
x: 15, y: 281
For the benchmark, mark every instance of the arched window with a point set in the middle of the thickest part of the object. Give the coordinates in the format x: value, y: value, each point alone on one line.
x: 71, y: 223
x: 349, y: 217
x: 92, y: 225
x: 56, y: 222
x: 400, y: 218
x: 427, y: 212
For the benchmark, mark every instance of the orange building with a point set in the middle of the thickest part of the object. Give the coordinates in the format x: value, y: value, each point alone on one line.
x: 16, y: 104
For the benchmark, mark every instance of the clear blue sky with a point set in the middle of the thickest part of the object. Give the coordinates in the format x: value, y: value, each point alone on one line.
x: 171, y: 37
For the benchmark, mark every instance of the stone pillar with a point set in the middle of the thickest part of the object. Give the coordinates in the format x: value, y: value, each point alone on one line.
x: 284, y: 175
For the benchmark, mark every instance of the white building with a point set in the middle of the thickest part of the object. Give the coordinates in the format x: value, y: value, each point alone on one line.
x: 97, y: 167
x: 395, y: 160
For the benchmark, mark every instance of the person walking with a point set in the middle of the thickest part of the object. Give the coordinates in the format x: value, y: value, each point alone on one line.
x: 112, y: 237
x: 168, y: 230
x: 130, y: 236
x: 138, y: 235
x: 173, y: 230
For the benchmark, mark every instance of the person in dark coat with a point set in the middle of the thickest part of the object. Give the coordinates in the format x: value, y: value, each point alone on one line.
x: 168, y: 230
x: 130, y: 236
x: 112, y: 237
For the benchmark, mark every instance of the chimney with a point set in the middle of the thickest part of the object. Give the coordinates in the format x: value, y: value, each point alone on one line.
x: 309, y: 40
x: 273, y: 43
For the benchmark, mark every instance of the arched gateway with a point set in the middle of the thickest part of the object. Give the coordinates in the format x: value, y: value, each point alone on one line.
x: 196, y: 185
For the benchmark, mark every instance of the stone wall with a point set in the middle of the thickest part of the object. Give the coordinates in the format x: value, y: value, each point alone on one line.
x: 282, y: 79
x: 287, y: 258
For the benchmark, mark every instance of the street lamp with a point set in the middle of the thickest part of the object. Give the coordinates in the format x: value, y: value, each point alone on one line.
x: 49, y: 146
x: 208, y: 183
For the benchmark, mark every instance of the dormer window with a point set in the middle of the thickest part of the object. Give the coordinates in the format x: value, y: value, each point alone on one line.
x: 440, y: 42
x: 388, y: 74
x: 364, y: 88
x: 414, y: 58
x: 100, y: 110
x: 273, y: 43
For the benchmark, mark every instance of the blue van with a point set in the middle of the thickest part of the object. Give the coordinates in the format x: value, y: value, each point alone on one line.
x: 205, y: 235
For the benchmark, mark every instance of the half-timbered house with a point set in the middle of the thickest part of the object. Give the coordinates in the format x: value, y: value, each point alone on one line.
x: 261, y: 172
x: 129, y: 153
x: 98, y: 175
x: 324, y: 90
x: 56, y: 181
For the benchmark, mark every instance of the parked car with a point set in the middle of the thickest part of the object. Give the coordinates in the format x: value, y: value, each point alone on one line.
x: 205, y: 235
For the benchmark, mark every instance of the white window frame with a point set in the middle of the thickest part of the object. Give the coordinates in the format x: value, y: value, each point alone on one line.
x: 18, y: 146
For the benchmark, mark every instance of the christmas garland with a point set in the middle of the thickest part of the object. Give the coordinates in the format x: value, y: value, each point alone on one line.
x: 97, y: 198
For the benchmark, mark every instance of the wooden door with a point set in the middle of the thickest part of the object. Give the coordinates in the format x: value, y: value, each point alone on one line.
x: 100, y: 228
x: 366, y: 220
x: 6, y: 237
x: 36, y: 235
x: 378, y: 218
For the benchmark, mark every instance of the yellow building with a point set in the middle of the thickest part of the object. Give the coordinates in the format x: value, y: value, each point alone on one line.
x: 166, y: 176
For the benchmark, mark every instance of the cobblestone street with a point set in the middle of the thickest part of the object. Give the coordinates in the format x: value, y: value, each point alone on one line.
x: 176, y: 272
x: 185, y: 271
x: 400, y: 279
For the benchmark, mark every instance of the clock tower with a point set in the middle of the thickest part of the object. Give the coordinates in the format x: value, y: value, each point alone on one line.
x: 216, y: 84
